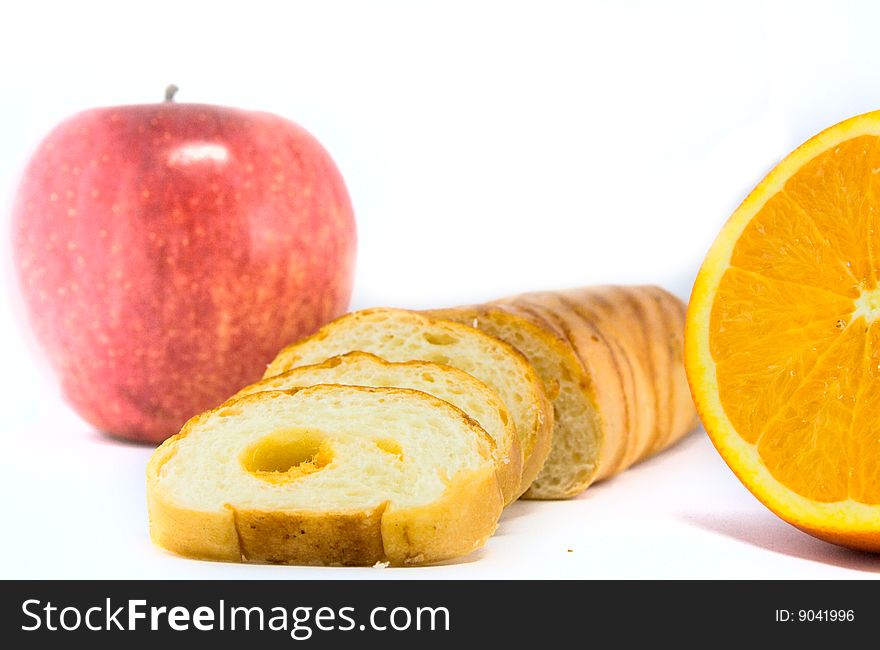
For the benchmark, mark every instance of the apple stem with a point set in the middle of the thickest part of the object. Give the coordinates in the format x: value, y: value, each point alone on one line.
x: 170, y: 92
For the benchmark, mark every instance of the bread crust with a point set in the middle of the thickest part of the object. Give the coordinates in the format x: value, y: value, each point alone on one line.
x: 640, y: 348
x: 535, y: 441
x: 629, y: 343
x: 456, y: 524
x: 600, y: 359
x: 509, y: 465
x: 600, y: 308
x: 494, y: 318
x: 346, y: 538
x: 461, y: 520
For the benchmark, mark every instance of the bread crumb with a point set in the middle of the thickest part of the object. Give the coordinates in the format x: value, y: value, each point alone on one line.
x: 381, y: 565
x: 476, y: 324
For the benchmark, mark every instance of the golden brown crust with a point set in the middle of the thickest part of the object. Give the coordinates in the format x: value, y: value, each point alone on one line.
x: 684, y: 416
x: 535, y: 437
x: 649, y: 303
x: 600, y: 357
x: 604, y: 308
x: 628, y: 341
x: 461, y: 520
x: 351, y: 538
x: 509, y: 467
x: 641, y: 331
x: 458, y: 523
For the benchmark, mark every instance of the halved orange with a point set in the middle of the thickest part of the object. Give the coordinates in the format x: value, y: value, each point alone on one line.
x: 782, y: 343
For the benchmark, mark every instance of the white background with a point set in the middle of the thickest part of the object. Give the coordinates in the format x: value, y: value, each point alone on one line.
x: 489, y: 148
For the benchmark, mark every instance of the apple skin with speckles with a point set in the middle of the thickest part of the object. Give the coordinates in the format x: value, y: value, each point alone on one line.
x: 166, y: 252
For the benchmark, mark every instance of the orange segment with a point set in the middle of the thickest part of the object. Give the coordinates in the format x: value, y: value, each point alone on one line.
x: 760, y: 366
x: 838, y: 190
x: 782, y: 308
x: 864, y: 439
x: 785, y: 243
x: 805, y: 445
x: 781, y: 347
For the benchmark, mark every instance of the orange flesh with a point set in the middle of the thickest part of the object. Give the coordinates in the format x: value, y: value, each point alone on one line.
x: 792, y: 328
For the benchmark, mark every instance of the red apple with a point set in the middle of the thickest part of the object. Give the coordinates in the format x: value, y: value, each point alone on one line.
x: 167, y: 251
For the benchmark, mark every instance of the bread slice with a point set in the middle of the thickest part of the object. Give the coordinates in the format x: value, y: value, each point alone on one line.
x: 444, y: 382
x: 338, y: 475
x: 399, y: 335
x: 578, y: 435
x: 611, y: 359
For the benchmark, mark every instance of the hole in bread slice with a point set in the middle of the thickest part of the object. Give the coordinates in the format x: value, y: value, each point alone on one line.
x: 287, y: 454
x: 440, y: 338
x: 390, y: 446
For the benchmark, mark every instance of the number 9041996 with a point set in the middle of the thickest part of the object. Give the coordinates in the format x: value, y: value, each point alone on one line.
x: 815, y: 615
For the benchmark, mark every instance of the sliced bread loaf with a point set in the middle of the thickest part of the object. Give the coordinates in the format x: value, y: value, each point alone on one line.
x: 444, y: 382
x: 326, y: 475
x: 399, y: 335
x: 611, y: 359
